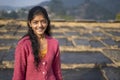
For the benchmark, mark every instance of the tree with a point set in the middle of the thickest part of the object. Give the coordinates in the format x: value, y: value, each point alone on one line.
x: 4, y: 14
x: 118, y: 16
x: 22, y: 13
x: 13, y: 15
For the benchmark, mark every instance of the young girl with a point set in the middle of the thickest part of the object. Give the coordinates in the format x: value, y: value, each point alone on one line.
x: 37, y: 55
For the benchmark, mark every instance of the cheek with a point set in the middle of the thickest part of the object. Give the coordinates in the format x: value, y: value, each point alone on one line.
x: 45, y: 25
x: 34, y: 26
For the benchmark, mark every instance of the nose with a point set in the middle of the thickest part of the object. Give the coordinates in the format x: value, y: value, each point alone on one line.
x: 40, y: 24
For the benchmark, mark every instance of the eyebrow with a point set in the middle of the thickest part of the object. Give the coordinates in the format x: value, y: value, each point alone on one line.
x: 40, y: 20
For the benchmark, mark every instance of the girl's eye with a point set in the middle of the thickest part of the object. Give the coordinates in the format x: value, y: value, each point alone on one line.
x: 35, y: 22
x: 44, y: 21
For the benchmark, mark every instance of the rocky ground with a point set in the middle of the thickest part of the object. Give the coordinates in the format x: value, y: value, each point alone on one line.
x: 87, y: 52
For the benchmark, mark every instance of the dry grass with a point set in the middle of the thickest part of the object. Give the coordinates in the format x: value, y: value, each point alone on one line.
x: 86, y: 24
x: 58, y: 24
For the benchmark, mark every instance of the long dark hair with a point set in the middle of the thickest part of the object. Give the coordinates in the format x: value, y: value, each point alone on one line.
x: 33, y: 38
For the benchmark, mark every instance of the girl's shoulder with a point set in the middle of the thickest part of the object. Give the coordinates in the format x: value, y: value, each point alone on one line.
x: 52, y: 40
x: 24, y: 40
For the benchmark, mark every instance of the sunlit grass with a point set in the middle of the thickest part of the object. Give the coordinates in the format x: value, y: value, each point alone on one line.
x: 65, y: 23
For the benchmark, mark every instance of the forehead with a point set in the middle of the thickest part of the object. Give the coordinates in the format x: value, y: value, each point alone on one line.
x: 39, y: 17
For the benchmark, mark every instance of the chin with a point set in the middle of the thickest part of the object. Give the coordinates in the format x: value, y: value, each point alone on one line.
x: 40, y: 33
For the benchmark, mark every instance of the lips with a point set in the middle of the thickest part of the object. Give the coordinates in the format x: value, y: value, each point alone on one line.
x: 40, y: 29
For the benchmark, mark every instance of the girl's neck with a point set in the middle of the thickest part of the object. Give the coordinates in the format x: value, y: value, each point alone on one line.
x: 41, y: 37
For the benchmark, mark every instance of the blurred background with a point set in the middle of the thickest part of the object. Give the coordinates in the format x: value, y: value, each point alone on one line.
x: 88, y: 32
x: 63, y: 9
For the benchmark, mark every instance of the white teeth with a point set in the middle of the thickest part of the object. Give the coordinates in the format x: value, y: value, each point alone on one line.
x: 39, y: 29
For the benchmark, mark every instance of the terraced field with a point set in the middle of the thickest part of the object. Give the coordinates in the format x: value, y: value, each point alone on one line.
x: 89, y: 51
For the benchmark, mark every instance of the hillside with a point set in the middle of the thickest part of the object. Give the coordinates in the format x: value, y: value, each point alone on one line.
x: 91, y: 10
x: 111, y: 5
x: 6, y: 8
x: 85, y: 9
x: 78, y: 9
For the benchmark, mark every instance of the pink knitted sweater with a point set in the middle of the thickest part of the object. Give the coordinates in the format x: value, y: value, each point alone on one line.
x: 49, y: 68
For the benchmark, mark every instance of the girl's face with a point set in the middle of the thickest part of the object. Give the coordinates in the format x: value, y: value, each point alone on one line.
x: 38, y: 24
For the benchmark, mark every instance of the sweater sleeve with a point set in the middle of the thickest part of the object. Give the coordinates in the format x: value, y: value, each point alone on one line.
x: 57, y: 65
x: 20, y: 63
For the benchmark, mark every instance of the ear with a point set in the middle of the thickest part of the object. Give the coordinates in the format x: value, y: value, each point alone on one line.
x: 29, y: 23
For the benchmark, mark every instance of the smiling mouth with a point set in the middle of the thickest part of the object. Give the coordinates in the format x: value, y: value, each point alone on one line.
x: 40, y: 29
